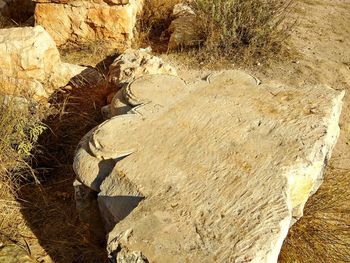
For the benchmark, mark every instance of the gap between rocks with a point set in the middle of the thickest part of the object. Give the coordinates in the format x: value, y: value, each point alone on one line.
x: 50, y: 208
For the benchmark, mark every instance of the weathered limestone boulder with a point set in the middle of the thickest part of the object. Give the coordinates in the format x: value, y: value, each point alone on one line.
x: 30, y: 62
x: 84, y: 21
x: 213, y: 172
x: 129, y: 66
x: 185, y: 29
x: 133, y: 64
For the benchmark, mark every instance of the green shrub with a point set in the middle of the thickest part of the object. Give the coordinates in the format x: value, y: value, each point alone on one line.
x: 244, y: 29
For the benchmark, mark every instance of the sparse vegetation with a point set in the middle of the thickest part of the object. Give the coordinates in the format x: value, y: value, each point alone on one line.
x: 20, y: 127
x: 243, y: 29
x: 89, y: 53
x: 6, y: 22
x: 323, y: 233
x: 45, y: 211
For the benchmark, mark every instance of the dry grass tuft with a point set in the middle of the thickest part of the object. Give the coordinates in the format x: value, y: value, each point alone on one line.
x: 248, y: 30
x: 6, y: 22
x: 89, y: 53
x: 323, y: 233
x: 50, y: 208
x: 20, y: 128
x: 41, y: 218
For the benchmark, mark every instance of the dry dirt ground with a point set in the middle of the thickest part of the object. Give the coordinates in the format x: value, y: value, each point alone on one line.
x: 322, y: 39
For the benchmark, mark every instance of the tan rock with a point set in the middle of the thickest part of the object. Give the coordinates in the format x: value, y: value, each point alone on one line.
x: 18, y: 87
x: 63, y: 73
x: 27, y: 53
x: 117, y: 106
x: 223, y: 170
x: 84, y: 21
x: 133, y: 64
x: 30, y: 63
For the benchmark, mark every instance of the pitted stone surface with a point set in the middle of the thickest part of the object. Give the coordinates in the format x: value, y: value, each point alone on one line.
x: 135, y: 63
x: 99, y: 150
x: 223, y: 171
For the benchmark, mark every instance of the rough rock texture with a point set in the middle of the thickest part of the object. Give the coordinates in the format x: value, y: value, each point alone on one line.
x: 30, y: 62
x: 133, y: 64
x: 217, y: 172
x: 129, y: 66
x: 83, y: 21
x: 185, y: 29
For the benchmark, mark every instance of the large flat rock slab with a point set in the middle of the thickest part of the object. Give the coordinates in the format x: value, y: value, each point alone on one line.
x: 218, y: 176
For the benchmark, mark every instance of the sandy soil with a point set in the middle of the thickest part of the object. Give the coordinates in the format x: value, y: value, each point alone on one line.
x: 322, y: 39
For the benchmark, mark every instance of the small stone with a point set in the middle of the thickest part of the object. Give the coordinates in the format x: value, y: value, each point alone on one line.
x: 173, y: 205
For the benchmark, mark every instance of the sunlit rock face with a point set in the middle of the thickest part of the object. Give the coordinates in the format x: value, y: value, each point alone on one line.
x: 213, y: 171
x: 83, y: 21
x: 30, y: 63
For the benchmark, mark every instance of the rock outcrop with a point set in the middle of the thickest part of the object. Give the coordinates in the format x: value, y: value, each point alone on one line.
x: 213, y: 172
x: 84, y: 21
x: 30, y: 62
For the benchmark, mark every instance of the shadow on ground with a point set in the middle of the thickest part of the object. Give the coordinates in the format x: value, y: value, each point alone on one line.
x: 49, y: 208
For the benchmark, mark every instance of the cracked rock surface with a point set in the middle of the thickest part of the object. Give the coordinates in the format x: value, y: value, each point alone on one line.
x: 83, y: 21
x: 218, y: 172
x: 30, y: 63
